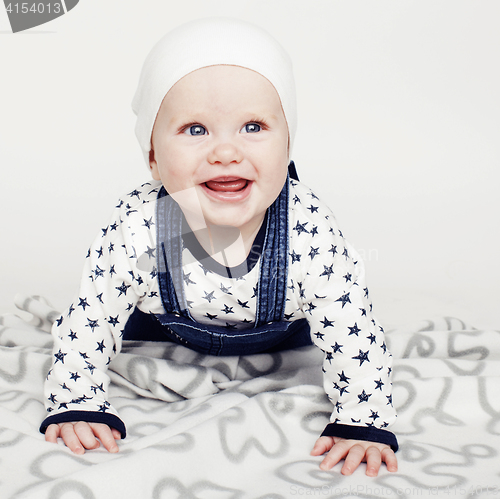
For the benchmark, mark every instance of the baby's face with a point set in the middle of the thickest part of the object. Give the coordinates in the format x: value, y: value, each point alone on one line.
x: 222, y: 130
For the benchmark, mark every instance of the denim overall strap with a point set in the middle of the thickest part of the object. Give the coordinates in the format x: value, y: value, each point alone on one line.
x: 169, y: 254
x: 271, y: 290
x: 292, y: 171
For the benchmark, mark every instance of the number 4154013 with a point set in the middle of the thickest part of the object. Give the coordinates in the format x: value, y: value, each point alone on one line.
x: 36, y: 8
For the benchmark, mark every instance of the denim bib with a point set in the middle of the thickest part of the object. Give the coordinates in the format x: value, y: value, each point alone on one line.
x: 270, y: 332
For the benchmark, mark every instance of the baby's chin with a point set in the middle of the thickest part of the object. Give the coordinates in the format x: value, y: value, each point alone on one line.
x: 244, y: 217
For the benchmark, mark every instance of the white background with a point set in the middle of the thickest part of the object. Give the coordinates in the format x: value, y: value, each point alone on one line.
x: 399, y: 131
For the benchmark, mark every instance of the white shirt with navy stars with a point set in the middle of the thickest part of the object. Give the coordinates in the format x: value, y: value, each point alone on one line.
x: 326, y: 285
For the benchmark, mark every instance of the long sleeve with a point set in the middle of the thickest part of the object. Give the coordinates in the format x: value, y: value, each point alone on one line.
x: 119, y: 273
x: 357, y: 365
x: 334, y: 298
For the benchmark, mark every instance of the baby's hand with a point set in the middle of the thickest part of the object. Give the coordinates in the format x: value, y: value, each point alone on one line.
x: 81, y: 435
x: 354, y: 452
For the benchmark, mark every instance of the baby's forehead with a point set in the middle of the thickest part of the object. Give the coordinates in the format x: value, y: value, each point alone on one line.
x: 224, y: 90
x: 221, y: 76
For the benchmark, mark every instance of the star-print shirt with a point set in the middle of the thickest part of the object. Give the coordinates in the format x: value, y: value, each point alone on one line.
x: 326, y: 285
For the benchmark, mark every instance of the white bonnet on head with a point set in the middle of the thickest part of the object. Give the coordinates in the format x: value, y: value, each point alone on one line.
x: 209, y: 42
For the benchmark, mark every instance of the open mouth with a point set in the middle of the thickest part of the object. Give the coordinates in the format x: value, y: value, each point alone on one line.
x: 227, y: 184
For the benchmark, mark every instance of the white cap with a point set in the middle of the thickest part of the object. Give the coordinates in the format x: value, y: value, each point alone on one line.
x: 209, y: 42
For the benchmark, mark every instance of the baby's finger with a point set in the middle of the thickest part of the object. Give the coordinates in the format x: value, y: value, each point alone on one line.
x: 390, y: 459
x: 322, y: 445
x: 373, y: 461
x: 105, y: 436
x: 116, y: 434
x: 352, y: 460
x: 86, y: 435
x: 70, y: 438
x: 52, y: 433
x: 337, y: 452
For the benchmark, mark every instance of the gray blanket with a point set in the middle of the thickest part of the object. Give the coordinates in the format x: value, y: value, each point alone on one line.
x: 242, y: 427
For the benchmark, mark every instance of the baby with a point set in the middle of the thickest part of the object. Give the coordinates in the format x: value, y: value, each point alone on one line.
x: 225, y: 252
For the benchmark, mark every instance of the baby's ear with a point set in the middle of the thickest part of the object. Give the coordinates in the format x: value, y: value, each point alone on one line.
x: 153, y: 165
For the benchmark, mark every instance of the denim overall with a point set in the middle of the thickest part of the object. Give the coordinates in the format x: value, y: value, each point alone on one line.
x: 269, y: 334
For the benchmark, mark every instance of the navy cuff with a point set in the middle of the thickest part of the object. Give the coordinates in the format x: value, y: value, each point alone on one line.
x: 89, y: 416
x: 369, y: 433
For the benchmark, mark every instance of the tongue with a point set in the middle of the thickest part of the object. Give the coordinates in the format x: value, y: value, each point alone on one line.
x: 229, y: 186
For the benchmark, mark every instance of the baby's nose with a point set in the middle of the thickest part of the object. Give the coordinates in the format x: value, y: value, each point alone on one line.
x: 225, y: 154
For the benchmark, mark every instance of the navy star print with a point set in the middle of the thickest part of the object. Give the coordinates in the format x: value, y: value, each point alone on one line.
x: 325, y: 286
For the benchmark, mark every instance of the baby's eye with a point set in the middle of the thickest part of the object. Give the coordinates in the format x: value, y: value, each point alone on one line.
x: 196, y: 130
x: 251, y: 128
